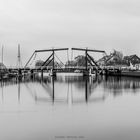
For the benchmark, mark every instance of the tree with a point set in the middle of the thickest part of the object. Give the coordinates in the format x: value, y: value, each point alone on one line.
x: 39, y: 63
x: 118, y: 55
x: 115, y: 58
x: 70, y: 63
x: 80, y: 60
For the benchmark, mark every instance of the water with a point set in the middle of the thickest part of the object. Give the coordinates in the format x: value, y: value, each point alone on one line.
x: 70, y: 107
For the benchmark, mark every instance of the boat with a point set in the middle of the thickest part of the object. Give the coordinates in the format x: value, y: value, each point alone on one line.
x: 129, y: 72
x: 135, y: 73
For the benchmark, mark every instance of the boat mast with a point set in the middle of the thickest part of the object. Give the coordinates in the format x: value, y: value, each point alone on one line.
x: 19, y: 62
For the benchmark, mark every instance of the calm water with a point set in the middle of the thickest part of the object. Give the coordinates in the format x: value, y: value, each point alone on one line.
x: 70, y: 107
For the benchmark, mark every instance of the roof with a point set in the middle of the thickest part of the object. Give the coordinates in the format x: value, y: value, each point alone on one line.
x: 130, y: 57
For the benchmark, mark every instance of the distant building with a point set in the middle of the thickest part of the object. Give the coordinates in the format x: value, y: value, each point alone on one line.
x: 132, y: 60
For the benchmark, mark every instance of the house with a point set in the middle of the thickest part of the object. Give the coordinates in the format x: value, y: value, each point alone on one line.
x: 132, y: 60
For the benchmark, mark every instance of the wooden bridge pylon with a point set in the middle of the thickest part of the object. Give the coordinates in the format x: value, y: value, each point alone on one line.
x: 50, y: 57
x: 89, y: 58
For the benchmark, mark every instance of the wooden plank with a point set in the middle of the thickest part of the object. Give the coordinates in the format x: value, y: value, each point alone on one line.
x: 79, y: 49
x: 61, y: 49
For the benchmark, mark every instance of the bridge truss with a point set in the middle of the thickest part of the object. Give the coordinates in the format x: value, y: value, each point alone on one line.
x: 89, y: 60
x: 50, y: 59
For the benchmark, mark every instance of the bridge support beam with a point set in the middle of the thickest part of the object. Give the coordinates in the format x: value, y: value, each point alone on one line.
x: 53, y: 60
x: 86, y: 59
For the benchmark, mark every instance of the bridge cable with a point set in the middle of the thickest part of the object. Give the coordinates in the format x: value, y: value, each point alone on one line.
x: 58, y: 65
x: 68, y: 58
x: 33, y: 58
x: 59, y: 59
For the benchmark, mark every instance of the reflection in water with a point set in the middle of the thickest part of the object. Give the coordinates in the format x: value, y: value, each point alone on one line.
x: 72, y: 89
x: 2, y: 90
x: 120, y: 85
x: 37, y: 108
x: 19, y: 91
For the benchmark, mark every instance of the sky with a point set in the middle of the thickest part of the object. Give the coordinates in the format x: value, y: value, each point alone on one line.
x: 44, y: 24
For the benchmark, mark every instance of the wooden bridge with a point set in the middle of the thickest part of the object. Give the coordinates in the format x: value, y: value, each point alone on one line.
x: 89, y: 67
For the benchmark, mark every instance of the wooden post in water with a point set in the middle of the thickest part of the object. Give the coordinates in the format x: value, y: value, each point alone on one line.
x: 96, y: 72
x: 106, y: 72
x: 86, y: 91
x: 19, y: 72
x: 53, y: 90
x: 42, y: 74
x: 32, y: 73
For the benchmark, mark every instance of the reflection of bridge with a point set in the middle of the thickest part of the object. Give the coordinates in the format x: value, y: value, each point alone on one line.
x: 49, y: 89
x: 87, y: 87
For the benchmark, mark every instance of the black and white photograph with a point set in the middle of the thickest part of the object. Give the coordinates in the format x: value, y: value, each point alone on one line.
x: 69, y: 70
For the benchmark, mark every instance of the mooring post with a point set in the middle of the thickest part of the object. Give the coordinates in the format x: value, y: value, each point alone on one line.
x: 41, y: 73
x: 53, y: 90
x: 32, y: 73
x: 106, y: 72
x: 86, y: 91
x: 19, y: 72
x: 96, y: 72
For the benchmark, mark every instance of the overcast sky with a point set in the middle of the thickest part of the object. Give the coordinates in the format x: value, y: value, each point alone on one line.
x: 42, y: 24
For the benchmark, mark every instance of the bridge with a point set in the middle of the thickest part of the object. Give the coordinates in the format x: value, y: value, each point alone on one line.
x: 50, y: 64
